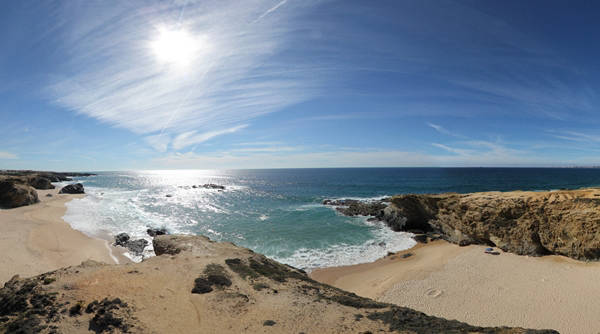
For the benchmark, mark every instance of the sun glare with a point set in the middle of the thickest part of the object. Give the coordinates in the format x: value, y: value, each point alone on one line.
x: 175, y: 46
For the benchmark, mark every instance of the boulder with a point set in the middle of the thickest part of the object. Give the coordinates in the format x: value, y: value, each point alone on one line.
x: 135, y: 246
x: 13, y: 194
x: 156, y: 231
x: 121, y: 239
x: 76, y: 188
x: 39, y: 182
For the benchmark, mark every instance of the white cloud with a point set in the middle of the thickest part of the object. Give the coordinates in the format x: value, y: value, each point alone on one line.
x: 7, y: 155
x: 112, y: 73
x: 453, y: 150
x: 159, y: 142
x: 193, y: 137
x: 577, y: 136
x: 443, y: 130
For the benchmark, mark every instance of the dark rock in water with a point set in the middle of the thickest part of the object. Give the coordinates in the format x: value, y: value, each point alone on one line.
x: 168, y: 195
x: 211, y: 186
x: 352, y: 207
x: 122, y: 239
x: 13, y: 195
x: 135, y: 246
x: 39, y: 182
x: 76, y: 188
x: 156, y: 231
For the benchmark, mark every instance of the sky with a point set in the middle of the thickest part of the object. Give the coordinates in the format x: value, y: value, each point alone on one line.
x: 120, y: 85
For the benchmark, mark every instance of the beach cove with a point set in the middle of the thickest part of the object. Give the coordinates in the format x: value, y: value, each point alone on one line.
x: 465, y: 284
x: 35, y: 239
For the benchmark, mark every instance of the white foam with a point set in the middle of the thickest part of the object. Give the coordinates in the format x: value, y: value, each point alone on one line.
x: 384, y: 240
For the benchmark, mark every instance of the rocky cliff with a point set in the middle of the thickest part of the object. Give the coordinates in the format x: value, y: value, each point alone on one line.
x: 195, y: 285
x: 565, y: 222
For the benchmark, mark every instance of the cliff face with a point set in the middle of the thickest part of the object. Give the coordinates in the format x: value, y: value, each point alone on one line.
x: 527, y: 223
x: 199, y: 286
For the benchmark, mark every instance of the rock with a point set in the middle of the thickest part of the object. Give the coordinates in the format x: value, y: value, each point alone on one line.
x: 76, y: 188
x: 156, y: 231
x: 526, y: 223
x: 421, y: 238
x: 13, y: 195
x: 269, y: 323
x: 175, y: 244
x: 351, y: 207
x: 135, y: 246
x: 48, y: 195
x: 213, y: 186
x: 168, y: 195
x: 122, y: 239
x: 39, y: 182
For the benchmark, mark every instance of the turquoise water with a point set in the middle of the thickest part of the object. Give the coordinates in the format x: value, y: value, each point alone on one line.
x: 279, y: 212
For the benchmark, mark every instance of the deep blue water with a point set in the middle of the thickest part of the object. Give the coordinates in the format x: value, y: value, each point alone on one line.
x: 278, y: 212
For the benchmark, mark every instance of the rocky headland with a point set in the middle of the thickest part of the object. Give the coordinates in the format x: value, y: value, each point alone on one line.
x: 564, y: 222
x: 18, y: 188
x: 195, y: 285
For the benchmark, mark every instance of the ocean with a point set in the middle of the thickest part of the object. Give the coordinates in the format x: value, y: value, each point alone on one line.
x: 278, y: 212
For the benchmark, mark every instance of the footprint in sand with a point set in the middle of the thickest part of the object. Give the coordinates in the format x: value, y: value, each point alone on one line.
x: 433, y: 293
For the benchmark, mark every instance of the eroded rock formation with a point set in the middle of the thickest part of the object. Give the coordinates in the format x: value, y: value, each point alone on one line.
x: 565, y: 222
x: 199, y: 286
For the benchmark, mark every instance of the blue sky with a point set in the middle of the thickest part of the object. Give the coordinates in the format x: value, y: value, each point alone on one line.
x: 113, y: 85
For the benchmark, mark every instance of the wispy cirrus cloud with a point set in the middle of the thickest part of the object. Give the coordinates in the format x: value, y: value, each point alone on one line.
x: 443, y: 130
x: 193, y: 137
x: 231, y: 76
x: 576, y: 136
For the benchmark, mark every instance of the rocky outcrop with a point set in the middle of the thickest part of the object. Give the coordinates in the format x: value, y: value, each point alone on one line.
x: 40, y: 182
x: 135, y: 246
x: 13, y: 194
x: 565, y: 222
x: 76, y: 188
x: 156, y: 231
x: 351, y: 207
x: 201, y: 286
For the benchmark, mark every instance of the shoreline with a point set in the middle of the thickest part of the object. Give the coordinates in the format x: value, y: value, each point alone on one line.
x: 464, y: 283
x: 35, y: 239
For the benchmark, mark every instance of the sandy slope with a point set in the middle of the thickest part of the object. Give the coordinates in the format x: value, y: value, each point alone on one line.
x: 34, y: 239
x: 463, y: 283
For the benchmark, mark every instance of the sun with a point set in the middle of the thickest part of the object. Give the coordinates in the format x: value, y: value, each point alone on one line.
x: 175, y: 46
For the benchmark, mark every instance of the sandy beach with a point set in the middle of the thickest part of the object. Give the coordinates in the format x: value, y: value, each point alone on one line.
x: 465, y: 284
x: 34, y: 239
